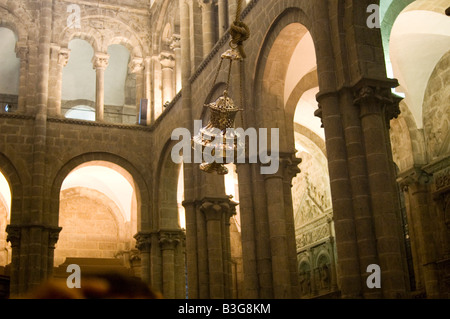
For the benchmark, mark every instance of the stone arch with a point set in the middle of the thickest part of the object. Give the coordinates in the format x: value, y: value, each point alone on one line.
x: 308, y: 82
x: 72, y: 34
x: 436, y: 110
x: 166, y: 216
x: 140, y: 185
x: 272, y: 64
x: 402, y: 151
x: 16, y: 187
x: 16, y: 19
x: 92, y: 35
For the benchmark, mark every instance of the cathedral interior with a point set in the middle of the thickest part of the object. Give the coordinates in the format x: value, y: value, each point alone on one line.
x: 91, y: 92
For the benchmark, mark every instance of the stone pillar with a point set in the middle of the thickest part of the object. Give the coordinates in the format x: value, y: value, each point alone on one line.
x: 175, y: 45
x: 53, y: 236
x: 348, y: 264
x: 441, y: 218
x: 223, y: 17
x: 216, y: 212
x: 167, y: 65
x: 415, y: 185
x: 100, y: 63
x: 208, y: 26
x: 291, y: 170
x: 143, y: 243
x: 148, y: 87
x: 358, y: 178
x: 59, y: 59
x: 136, y: 66
x: 282, y: 234
x: 248, y: 233
x: 168, y: 241
x: 377, y: 108
x: 14, y: 237
x: 22, y: 54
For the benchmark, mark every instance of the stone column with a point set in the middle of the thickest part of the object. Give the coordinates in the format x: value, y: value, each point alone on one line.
x: 136, y: 66
x: 223, y: 17
x: 290, y: 170
x: 100, y: 63
x: 214, y: 211
x: 148, y: 87
x: 441, y: 218
x: 377, y: 108
x: 167, y: 65
x: 143, y: 243
x: 22, y: 54
x: 348, y: 264
x: 53, y: 236
x: 208, y: 26
x: 59, y: 59
x: 279, y: 233
x: 169, y: 241
x: 415, y: 184
x: 248, y: 233
x: 360, y: 191
x: 175, y: 45
x: 14, y: 237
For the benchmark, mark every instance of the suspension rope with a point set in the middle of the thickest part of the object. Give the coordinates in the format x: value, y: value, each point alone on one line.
x: 239, y: 31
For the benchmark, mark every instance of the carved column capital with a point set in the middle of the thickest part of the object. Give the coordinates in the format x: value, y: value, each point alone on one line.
x: 14, y: 235
x: 288, y: 168
x: 143, y: 241
x: 214, y: 208
x: 136, y: 65
x: 412, y: 176
x: 167, y: 60
x: 53, y: 236
x: 319, y: 113
x: 205, y: 3
x: 63, y: 57
x: 100, y: 60
x: 175, y: 42
x: 169, y: 240
x: 382, y: 96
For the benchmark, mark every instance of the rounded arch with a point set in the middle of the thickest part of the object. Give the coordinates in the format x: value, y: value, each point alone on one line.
x: 167, y: 214
x: 140, y: 185
x: 11, y: 175
x: 436, y: 110
x: 88, y: 36
x: 272, y: 65
x: 419, y: 39
x: 133, y: 42
x: 20, y: 26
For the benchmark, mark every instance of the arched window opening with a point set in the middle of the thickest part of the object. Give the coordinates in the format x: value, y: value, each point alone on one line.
x: 5, y: 219
x: 9, y: 72
x: 98, y: 216
x: 120, y: 87
x: 78, y: 79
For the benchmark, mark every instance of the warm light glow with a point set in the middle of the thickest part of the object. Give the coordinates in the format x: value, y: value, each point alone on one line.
x: 304, y: 113
x: 105, y: 180
x: 180, y: 199
x: 418, y: 41
x: 5, y: 192
x: 302, y: 62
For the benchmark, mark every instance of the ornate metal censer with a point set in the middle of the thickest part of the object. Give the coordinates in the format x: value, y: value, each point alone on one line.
x: 223, y: 113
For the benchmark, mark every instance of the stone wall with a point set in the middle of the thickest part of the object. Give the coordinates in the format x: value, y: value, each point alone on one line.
x: 93, y: 226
